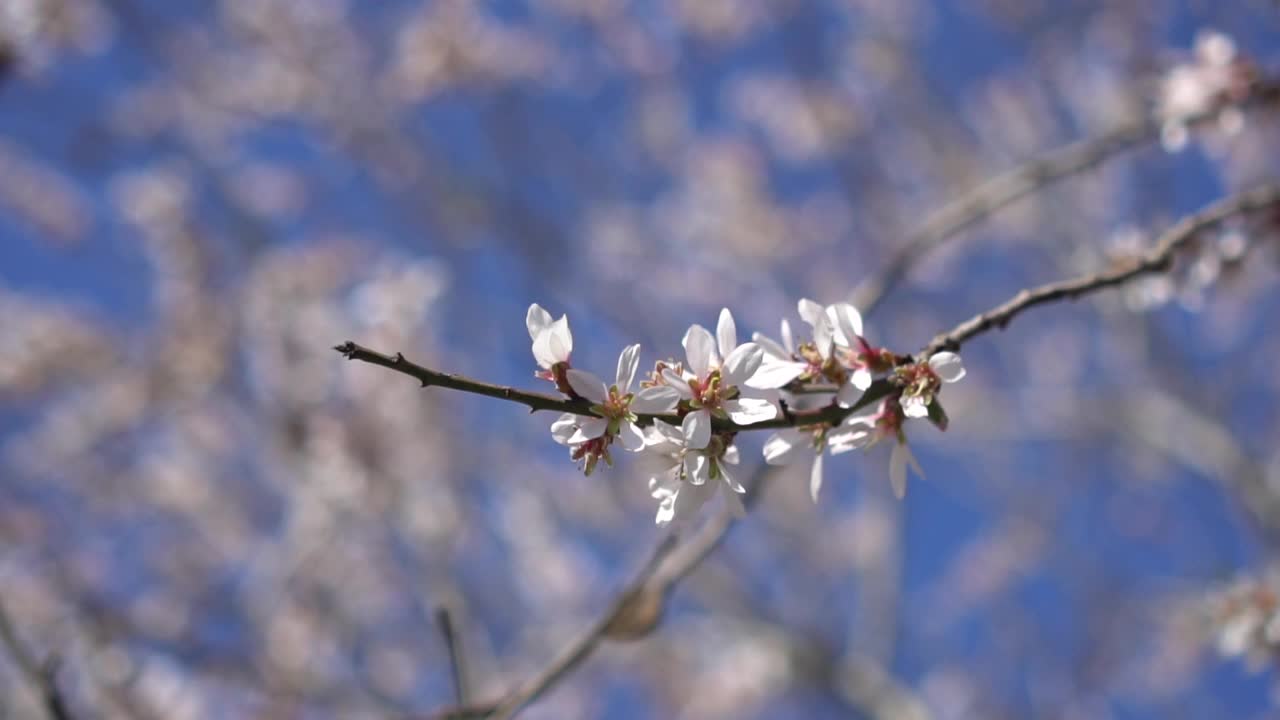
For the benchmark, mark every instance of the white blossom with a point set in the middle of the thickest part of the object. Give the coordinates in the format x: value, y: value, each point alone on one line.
x: 1212, y: 80
x: 716, y: 366
x: 793, y: 444
x: 779, y: 365
x: 552, y: 340
x: 589, y: 437
x: 865, y: 431
x: 685, y: 465
x: 924, y: 380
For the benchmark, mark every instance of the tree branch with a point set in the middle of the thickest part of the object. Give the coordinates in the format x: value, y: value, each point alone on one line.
x: 429, y: 378
x: 572, y: 655
x: 635, y: 611
x: 1157, y: 259
x: 831, y: 414
x: 1003, y: 190
x: 40, y: 676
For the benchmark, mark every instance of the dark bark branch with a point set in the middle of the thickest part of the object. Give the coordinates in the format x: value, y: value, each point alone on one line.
x: 1158, y: 259
x: 832, y: 414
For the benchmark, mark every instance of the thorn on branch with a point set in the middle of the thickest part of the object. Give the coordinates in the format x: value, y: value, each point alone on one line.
x: 786, y: 410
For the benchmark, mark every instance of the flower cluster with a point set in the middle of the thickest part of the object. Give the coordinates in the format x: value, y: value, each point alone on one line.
x: 1206, y: 260
x: 1244, y: 619
x: 841, y: 357
x: 685, y: 416
x: 1214, y: 80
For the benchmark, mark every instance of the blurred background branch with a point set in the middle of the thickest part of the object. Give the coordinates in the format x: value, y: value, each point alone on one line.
x: 41, y: 676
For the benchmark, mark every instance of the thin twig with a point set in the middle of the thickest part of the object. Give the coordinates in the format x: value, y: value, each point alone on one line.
x: 572, y: 655
x: 831, y: 414
x: 1003, y: 190
x: 457, y: 658
x: 42, y: 677
x: 667, y: 566
x: 1158, y: 259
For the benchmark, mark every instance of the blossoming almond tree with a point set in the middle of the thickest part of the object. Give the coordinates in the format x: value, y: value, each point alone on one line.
x: 179, y: 430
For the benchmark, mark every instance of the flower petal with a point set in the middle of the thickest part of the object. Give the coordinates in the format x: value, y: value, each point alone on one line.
x: 730, y: 480
x: 665, y: 492
x: 589, y: 428
x: 689, y: 500
x: 898, y: 462
x: 898, y: 471
x: 665, y: 432
x: 726, y: 333
x: 587, y: 385
x: 788, y: 340
x: 733, y: 500
x: 564, y: 427
x: 772, y: 349
x: 731, y: 455
x: 911, y: 460
x: 700, y: 350
x: 536, y: 320
x: 697, y: 468
x: 915, y: 407
x: 850, y: 438
x: 561, y: 339
x: 655, y: 400
x: 696, y: 428
x: 824, y: 336
x: 774, y: 374
x: 631, y: 436
x: 655, y: 464
x: 809, y: 310
x: 745, y: 411
x: 677, y: 383
x: 782, y: 447
x: 861, y: 378
x: 663, y: 487
x: 553, y: 343
x: 815, y: 477
x: 542, y: 350
x: 847, y: 322
x: 947, y: 366
x: 741, y: 364
x: 628, y: 361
